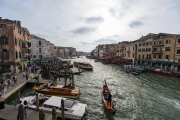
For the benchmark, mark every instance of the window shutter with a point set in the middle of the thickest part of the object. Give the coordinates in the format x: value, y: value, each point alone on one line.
x: 1, y: 54
x: 6, y: 40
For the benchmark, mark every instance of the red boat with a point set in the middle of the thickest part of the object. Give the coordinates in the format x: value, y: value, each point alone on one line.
x: 105, y: 92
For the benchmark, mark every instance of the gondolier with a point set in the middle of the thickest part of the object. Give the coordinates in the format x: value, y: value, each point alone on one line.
x: 109, y: 98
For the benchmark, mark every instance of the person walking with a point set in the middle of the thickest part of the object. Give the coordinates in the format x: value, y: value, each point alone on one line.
x: 17, y: 107
x: 26, y: 76
x: 9, y: 83
x: 109, y: 98
x: 25, y: 108
x: 23, y: 74
x: 15, y: 79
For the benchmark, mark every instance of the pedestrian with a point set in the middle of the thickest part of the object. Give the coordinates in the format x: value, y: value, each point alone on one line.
x: 2, y: 106
x: 15, y: 79
x: 5, y: 87
x: 25, y: 108
x: 23, y: 74
x: 26, y: 76
x: 17, y: 107
x: 40, y: 78
x: 109, y: 98
x: 9, y: 83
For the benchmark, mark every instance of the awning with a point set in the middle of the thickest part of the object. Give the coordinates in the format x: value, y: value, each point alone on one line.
x: 23, y: 62
x: 45, y: 63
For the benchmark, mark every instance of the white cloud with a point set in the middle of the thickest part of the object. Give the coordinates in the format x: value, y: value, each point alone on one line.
x: 59, y: 20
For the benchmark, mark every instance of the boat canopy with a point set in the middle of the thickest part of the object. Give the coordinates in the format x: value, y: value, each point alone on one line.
x: 55, y: 101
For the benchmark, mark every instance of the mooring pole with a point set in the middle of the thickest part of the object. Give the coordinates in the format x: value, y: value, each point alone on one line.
x: 62, y: 109
x: 18, y: 95
x: 72, y: 78
x: 37, y: 102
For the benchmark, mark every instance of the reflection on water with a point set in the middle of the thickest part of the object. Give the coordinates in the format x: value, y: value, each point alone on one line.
x: 144, y: 97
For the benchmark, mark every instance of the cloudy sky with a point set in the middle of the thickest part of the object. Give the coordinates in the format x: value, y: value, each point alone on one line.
x: 83, y: 24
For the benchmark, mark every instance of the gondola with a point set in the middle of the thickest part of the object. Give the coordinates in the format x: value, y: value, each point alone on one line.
x: 105, y: 92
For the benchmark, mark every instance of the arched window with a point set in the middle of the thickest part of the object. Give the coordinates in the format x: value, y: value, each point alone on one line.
x: 3, y: 39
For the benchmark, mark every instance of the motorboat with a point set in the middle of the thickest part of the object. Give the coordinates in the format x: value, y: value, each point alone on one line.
x: 57, y: 90
x: 73, y: 109
x: 83, y: 65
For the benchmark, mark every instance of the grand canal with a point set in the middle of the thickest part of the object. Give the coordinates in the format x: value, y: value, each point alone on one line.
x: 144, y: 97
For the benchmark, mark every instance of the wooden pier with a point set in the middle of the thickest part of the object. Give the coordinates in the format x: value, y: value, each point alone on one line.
x: 10, y: 113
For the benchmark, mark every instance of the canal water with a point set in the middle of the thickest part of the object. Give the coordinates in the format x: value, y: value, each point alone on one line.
x: 144, y: 97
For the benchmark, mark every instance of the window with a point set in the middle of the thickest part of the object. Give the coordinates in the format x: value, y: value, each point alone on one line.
x: 5, y: 53
x: 34, y: 56
x: 3, y: 25
x: 139, y: 50
x: 19, y: 31
x: 179, y: 40
x: 154, y: 56
x: 161, y: 42
x: 144, y: 44
x: 139, y: 56
x: 154, y: 49
x: 15, y: 40
x: 160, y: 56
x: 167, y: 48
x: 150, y: 43
x: 143, y: 57
x: 140, y: 44
x: 40, y: 50
x: 167, y: 56
x: 133, y: 48
x: 178, y: 60
x: 147, y: 43
x: 19, y: 54
x: 3, y: 40
x: 178, y: 51
x: 16, y: 55
x: 168, y: 41
x: 39, y: 43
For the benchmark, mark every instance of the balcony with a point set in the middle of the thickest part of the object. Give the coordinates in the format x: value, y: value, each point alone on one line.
x: 157, y: 52
x: 158, y: 45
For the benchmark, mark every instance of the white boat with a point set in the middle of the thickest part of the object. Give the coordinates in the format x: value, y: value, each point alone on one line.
x: 72, y: 108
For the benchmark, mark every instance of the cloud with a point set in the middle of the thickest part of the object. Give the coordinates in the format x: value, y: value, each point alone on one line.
x: 84, y: 30
x: 85, y: 43
x: 94, y: 19
x: 135, y: 24
x: 104, y: 41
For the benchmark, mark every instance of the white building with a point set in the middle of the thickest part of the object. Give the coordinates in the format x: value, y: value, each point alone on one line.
x: 39, y: 47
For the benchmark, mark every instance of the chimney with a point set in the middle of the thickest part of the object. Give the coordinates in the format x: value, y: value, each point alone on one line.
x: 19, y: 23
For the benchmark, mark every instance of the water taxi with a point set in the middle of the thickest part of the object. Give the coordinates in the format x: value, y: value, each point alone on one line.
x: 58, y: 90
x: 72, y: 108
x: 83, y: 65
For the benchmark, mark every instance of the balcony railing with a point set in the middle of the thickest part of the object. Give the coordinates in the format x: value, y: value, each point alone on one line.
x: 157, y: 51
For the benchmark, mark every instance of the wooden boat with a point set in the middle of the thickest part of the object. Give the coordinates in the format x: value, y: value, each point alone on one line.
x: 72, y: 108
x: 57, y: 90
x: 83, y: 65
x: 159, y: 71
x: 105, y: 91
